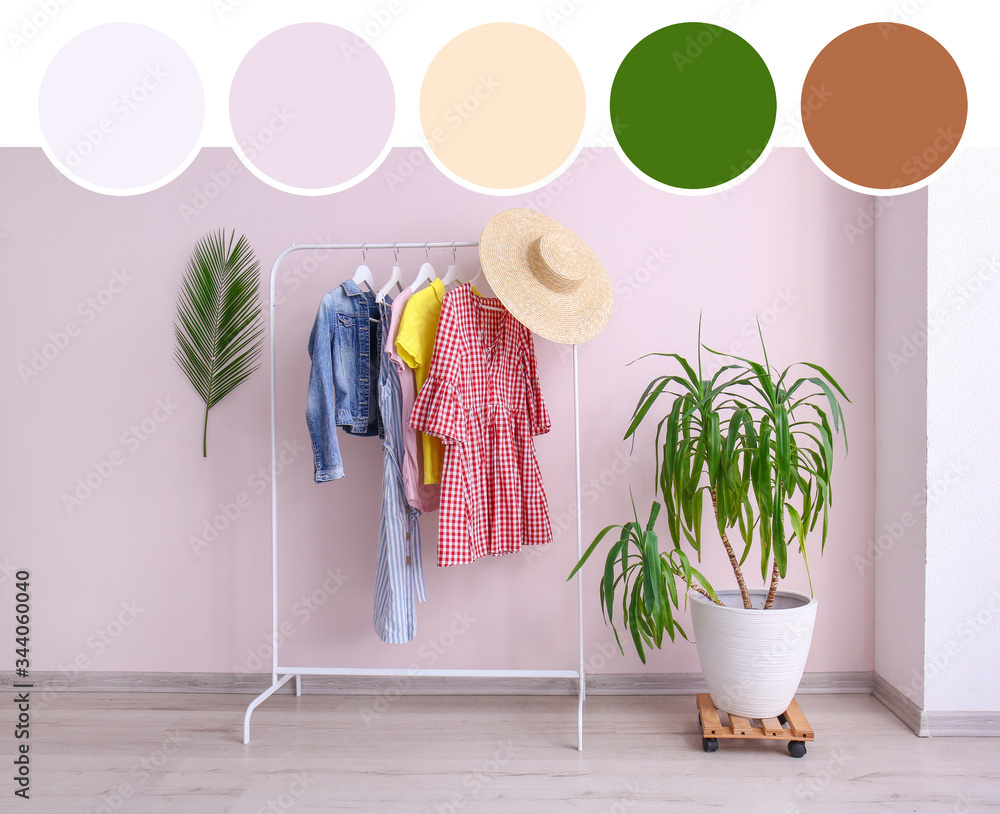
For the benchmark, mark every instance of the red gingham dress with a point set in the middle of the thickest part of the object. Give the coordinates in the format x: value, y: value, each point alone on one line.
x: 483, y: 400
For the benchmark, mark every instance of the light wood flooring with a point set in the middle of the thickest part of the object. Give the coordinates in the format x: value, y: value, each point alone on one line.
x: 140, y: 753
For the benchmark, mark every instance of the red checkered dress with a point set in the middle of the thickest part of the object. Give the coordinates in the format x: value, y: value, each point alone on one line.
x: 483, y: 400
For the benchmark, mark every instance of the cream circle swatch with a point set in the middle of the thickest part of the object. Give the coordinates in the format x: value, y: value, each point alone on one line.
x: 502, y: 106
x: 312, y: 107
x: 121, y: 107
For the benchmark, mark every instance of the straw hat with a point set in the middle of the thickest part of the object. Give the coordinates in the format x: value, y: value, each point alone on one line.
x: 546, y: 276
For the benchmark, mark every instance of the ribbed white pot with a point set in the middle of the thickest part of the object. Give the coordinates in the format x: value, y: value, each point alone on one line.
x: 753, y: 660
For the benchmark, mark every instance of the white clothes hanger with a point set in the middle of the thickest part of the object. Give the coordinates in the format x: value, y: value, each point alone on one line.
x: 454, y: 271
x: 363, y: 274
x: 394, y: 278
x: 425, y: 274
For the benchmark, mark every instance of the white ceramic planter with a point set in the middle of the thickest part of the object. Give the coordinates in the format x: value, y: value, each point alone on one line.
x: 753, y: 660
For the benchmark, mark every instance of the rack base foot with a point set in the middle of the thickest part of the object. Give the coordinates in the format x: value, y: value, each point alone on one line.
x: 260, y: 699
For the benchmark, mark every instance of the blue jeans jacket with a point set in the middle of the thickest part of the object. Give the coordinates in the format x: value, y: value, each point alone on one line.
x: 343, y: 381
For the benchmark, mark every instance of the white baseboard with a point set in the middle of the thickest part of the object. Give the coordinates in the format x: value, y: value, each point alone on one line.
x: 900, y: 705
x: 963, y: 724
x: 936, y: 723
x: 597, y: 683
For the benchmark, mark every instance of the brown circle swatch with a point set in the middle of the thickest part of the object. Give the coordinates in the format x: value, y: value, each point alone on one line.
x: 884, y: 105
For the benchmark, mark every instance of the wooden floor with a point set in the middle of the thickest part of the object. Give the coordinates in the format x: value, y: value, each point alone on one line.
x: 142, y: 753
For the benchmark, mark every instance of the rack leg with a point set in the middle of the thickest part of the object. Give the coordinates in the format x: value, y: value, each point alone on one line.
x: 298, y: 685
x: 579, y: 720
x: 260, y: 699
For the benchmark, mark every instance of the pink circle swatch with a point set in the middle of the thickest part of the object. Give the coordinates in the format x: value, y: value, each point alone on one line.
x: 311, y: 107
x: 121, y: 108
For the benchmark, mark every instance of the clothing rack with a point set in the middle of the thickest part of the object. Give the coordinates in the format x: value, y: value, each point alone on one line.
x: 280, y: 675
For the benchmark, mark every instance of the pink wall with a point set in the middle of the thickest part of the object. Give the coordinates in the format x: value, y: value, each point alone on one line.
x: 775, y: 246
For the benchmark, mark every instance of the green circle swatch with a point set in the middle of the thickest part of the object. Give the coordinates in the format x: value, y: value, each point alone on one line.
x: 693, y: 105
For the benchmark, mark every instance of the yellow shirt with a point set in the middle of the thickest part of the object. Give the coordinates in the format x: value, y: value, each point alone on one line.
x: 415, y: 346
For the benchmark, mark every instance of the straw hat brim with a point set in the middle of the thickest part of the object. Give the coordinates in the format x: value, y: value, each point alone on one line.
x: 570, y: 303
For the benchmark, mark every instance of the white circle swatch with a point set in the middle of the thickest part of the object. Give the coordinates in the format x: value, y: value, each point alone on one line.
x: 121, y: 108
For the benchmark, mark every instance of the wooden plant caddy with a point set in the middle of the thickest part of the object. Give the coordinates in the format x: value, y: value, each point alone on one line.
x: 790, y: 726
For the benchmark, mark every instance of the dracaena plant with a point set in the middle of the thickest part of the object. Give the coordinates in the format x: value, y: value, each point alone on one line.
x: 754, y: 443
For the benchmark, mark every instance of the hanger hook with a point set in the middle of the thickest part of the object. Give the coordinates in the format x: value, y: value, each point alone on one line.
x: 395, y: 253
x: 364, y: 258
x: 427, y: 251
x: 454, y: 254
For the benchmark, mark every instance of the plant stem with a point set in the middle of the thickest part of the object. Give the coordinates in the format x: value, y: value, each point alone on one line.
x: 732, y: 556
x: 204, y: 437
x: 774, y: 587
x: 705, y: 593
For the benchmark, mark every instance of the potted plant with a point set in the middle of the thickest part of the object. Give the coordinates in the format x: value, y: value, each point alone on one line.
x: 757, y: 446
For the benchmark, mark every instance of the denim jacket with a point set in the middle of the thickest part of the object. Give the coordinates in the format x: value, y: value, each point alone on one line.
x: 343, y: 381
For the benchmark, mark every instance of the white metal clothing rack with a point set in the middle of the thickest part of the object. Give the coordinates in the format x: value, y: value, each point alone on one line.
x: 280, y: 675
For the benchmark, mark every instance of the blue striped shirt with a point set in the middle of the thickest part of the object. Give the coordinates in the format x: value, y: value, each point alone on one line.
x: 399, y: 572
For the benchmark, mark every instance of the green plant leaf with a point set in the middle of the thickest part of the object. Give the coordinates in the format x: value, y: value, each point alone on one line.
x: 590, y: 550
x: 219, y: 329
x: 697, y: 503
x: 633, y: 621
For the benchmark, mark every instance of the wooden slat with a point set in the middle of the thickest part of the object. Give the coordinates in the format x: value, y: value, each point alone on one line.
x: 710, y: 723
x: 772, y: 727
x: 741, y: 725
x: 800, y: 726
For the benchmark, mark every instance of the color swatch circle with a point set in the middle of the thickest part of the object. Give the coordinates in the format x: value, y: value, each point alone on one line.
x: 693, y: 106
x: 502, y: 106
x: 121, y: 108
x: 884, y: 106
x: 312, y: 107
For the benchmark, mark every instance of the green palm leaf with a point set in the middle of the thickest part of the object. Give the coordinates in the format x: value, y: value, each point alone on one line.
x: 219, y: 328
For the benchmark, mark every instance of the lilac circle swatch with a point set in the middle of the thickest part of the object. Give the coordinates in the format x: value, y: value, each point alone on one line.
x: 121, y: 107
x: 312, y: 107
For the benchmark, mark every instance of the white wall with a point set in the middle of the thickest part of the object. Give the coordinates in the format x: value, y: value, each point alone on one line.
x: 962, y: 628
x: 896, y: 549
